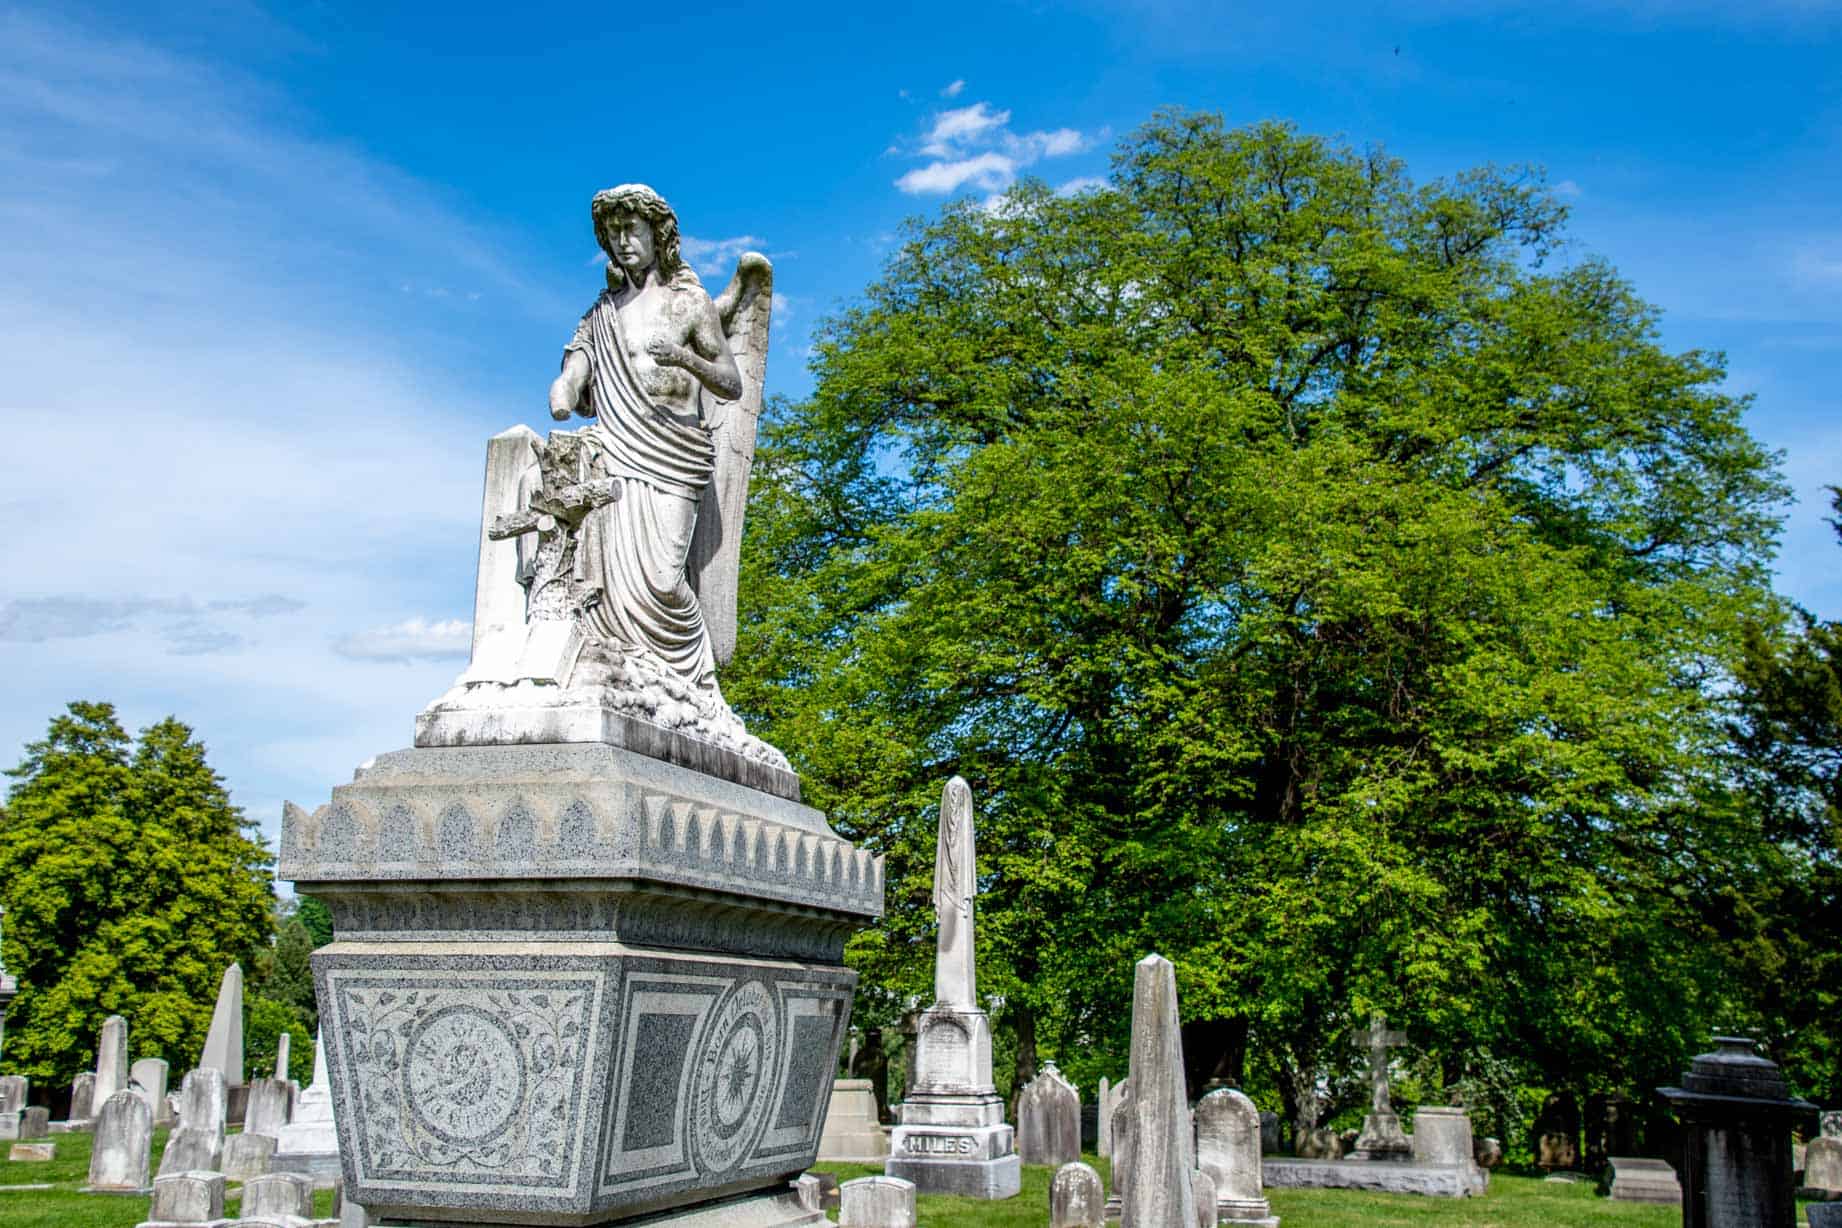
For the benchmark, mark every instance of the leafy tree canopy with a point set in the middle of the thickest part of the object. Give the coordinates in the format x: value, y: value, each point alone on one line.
x: 130, y: 883
x: 1320, y: 581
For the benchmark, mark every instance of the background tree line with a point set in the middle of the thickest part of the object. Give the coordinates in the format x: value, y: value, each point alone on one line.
x: 1326, y: 579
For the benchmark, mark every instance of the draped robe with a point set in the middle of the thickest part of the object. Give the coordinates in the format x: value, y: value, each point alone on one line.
x: 634, y: 549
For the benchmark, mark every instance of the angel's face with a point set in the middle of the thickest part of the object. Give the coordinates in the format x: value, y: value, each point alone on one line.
x: 630, y: 240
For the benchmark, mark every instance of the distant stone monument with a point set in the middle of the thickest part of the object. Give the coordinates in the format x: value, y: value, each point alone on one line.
x: 1382, y: 1137
x: 1557, y: 1132
x: 1049, y: 1120
x: 1228, y: 1149
x: 283, y: 1197
x: 309, y: 1143
x: 876, y: 1202
x: 1638, y: 1179
x: 124, y: 1145
x: 1159, y: 1192
x: 952, y: 1137
x: 284, y: 1046
x: 82, y: 1100
x: 148, y: 1077
x: 589, y: 943
x: 14, y: 1089
x: 198, y: 1144
x: 224, y: 1042
x: 1103, y: 1124
x: 270, y: 1104
x: 1737, y: 1118
x: 1823, y: 1161
x: 1077, y: 1199
x: 186, y: 1198
x: 852, y: 1132
x: 9, y: 989
x: 248, y: 1155
x: 111, y: 1059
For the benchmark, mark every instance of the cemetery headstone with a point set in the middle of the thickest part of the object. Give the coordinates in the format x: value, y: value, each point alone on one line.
x: 1103, y: 1127
x: 1228, y: 1150
x: 187, y: 1198
x: 309, y: 1143
x: 284, y: 1045
x: 224, y: 1042
x: 1382, y: 1137
x: 124, y: 1145
x: 852, y: 1133
x: 1077, y: 1199
x: 1442, y: 1135
x: 268, y: 1107
x: 82, y: 1098
x: 148, y: 1077
x: 1049, y: 1120
x: 1641, y: 1179
x: 952, y: 1137
x: 277, y: 1195
x: 248, y: 1155
x: 111, y: 1059
x: 1160, y: 1192
x: 1202, y: 1190
x: 1488, y: 1153
x: 586, y: 761
x: 1557, y: 1133
x: 9, y: 989
x: 1737, y: 1118
x: 32, y: 1153
x: 1269, y: 1133
x: 34, y: 1122
x: 197, y: 1145
x: 15, y: 1090
x: 1123, y: 1152
x: 876, y: 1202
x: 1823, y: 1161
x: 1320, y: 1143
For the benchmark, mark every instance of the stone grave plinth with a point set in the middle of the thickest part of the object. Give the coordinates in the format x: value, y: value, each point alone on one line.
x: 1737, y: 1117
x: 572, y: 982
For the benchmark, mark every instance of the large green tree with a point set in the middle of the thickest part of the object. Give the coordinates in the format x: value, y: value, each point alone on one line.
x: 130, y: 882
x: 1324, y: 578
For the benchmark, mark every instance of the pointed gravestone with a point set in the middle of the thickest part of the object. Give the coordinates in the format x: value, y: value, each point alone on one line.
x: 1159, y: 1193
x: 1228, y: 1149
x: 1049, y: 1120
x: 123, y: 1147
x: 148, y: 1077
x: 111, y: 1060
x: 224, y: 1043
x: 953, y: 1138
x: 1382, y: 1137
x: 309, y: 1143
x: 198, y: 1143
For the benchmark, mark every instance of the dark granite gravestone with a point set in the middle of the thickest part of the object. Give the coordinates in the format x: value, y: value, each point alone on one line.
x: 1737, y: 1154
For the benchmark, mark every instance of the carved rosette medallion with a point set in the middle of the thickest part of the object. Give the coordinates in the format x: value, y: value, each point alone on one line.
x: 740, y: 1054
x: 465, y: 1077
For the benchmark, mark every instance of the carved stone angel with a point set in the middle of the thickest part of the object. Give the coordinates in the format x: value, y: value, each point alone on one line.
x: 628, y: 531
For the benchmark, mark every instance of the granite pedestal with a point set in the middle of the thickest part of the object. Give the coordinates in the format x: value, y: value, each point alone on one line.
x: 574, y: 984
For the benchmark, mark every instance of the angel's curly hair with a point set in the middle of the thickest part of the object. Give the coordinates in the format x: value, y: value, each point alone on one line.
x: 638, y: 199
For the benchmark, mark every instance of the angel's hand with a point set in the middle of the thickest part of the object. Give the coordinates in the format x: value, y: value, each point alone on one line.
x: 667, y: 353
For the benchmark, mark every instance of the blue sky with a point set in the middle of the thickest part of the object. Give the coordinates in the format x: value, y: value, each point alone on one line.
x: 270, y: 277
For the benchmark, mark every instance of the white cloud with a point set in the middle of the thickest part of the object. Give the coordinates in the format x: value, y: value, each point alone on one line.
x: 413, y: 639
x: 974, y: 146
x: 952, y: 89
x: 717, y: 257
x: 1819, y: 262
x: 1083, y: 183
x: 1569, y: 189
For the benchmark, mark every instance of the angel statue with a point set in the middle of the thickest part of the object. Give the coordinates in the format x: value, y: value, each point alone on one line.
x: 626, y: 533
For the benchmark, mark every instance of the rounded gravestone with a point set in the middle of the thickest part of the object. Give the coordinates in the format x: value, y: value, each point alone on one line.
x: 1077, y: 1199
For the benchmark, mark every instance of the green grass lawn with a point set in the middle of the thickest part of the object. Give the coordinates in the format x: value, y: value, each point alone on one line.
x: 63, y: 1206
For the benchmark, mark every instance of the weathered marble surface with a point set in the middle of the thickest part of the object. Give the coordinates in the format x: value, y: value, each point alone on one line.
x: 1049, y: 1120
x: 309, y: 1143
x: 186, y: 1198
x: 1077, y: 1199
x: 269, y: 1107
x: 876, y: 1202
x: 224, y: 1042
x: 149, y: 1077
x: 32, y: 1153
x: 1202, y: 1188
x: 1103, y: 1117
x: 111, y: 1059
x: 1382, y: 1137
x: 198, y: 1144
x: 1159, y: 1192
x: 1637, y: 1179
x: 852, y: 1132
x: 124, y: 1145
x: 1228, y: 1150
x: 82, y: 1099
x: 248, y: 1155
x: 1395, y: 1177
x: 15, y: 1090
x: 952, y: 1137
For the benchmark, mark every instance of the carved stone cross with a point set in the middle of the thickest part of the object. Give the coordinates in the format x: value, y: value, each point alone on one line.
x: 1377, y: 1039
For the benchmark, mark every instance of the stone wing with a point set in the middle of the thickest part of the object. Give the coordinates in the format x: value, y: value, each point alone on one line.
x: 716, y: 546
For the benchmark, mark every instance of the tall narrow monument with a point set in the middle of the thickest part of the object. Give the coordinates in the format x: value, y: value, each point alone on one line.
x: 1382, y: 1137
x: 953, y: 1138
x: 589, y: 953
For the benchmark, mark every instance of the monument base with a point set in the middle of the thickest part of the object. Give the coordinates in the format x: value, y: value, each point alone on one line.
x: 965, y: 1176
x: 1383, y: 1139
x: 1640, y: 1179
x: 776, y: 1209
x: 956, y: 1143
x: 1395, y: 1177
x: 1256, y: 1212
